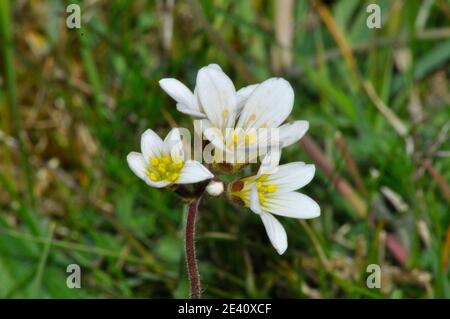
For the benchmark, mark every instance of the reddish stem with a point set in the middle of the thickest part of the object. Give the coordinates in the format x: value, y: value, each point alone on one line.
x: 191, y: 259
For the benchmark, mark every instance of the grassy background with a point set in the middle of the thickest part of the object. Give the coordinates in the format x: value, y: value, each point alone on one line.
x: 73, y: 103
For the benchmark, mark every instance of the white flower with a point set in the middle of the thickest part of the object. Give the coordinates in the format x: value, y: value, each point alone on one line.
x: 272, y: 191
x: 249, y: 126
x: 232, y: 120
x: 213, y: 79
x: 162, y: 163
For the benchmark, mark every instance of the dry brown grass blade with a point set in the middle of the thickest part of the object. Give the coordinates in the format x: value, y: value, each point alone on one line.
x: 444, y: 7
x: 396, y: 123
x: 351, y: 165
x: 338, y: 36
x: 350, y: 60
x: 445, y: 254
x: 438, y: 178
x: 284, y: 31
x: 169, y: 118
x: 165, y: 8
x: 396, y: 248
x: 362, y: 47
x: 316, y: 154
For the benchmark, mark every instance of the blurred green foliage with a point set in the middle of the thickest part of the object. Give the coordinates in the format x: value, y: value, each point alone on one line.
x: 84, y: 96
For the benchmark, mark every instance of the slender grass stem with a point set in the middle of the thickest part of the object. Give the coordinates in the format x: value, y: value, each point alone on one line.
x: 69, y: 247
x: 37, y: 283
x: 191, y: 258
x: 9, y: 73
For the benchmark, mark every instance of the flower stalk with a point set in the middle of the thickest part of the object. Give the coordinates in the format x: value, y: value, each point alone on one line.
x: 191, y: 258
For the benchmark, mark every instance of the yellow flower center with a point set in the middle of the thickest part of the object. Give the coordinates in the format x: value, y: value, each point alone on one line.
x: 164, y: 169
x: 262, y: 186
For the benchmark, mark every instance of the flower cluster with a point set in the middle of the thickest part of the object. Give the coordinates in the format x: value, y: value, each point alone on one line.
x: 241, y: 126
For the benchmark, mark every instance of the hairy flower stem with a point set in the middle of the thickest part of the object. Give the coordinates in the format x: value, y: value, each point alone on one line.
x: 191, y: 258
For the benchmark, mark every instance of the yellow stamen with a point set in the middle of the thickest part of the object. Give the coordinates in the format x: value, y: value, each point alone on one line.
x: 154, y: 161
x: 225, y: 113
x: 261, y: 198
x: 262, y: 178
x: 263, y: 187
x: 162, y: 168
x: 250, y: 138
x: 166, y: 159
x: 253, y: 117
x: 177, y: 165
x: 235, y: 137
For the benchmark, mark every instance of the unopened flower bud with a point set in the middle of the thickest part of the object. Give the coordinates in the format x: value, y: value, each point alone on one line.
x: 215, y: 188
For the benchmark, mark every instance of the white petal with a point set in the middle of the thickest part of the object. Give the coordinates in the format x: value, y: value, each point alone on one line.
x: 139, y: 167
x: 173, y: 136
x: 137, y: 164
x: 242, y: 96
x: 267, y: 140
x: 255, y: 206
x: 213, y: 134
x: 193, y: 172
x: 173, y: 145
x: 275, y: 231
x: 189, y: 111
x: 216, y: 137
x: 214, y: 66
x: 217, y: 96
x: 151, y: 145
x: 292, y: 132
x: 186, y: 101
x: 292, y: 204
x: 269, y: 104
x: 269, y: 164
x: 160, y: 184
x: 292, y: 176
